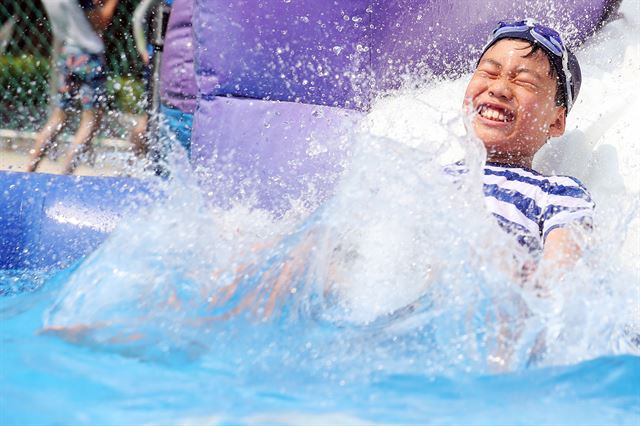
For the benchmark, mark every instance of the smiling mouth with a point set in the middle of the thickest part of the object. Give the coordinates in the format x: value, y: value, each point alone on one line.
x: 494, y: 113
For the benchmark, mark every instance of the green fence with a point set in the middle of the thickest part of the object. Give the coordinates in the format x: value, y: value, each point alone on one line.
x: 25, y: 59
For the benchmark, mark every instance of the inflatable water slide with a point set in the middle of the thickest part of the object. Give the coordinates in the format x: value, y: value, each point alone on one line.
x: 277, y: 83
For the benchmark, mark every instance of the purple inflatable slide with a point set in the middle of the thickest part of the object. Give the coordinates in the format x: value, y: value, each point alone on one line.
x: 279, y: 79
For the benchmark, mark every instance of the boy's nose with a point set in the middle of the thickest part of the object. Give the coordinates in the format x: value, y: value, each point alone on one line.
x: 499, y: 88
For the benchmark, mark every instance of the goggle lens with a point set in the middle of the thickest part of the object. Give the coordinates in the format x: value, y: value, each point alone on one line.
x: 550, y: 35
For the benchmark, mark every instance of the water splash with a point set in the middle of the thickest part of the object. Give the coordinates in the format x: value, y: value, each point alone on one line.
x: 402, y: 258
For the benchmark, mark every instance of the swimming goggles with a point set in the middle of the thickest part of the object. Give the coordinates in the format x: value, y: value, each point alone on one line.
x: 549, y: 39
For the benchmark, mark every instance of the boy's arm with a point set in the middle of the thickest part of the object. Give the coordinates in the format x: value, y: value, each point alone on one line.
x: 100, y: 16
x: 561, y: 249
x: 568, y: 223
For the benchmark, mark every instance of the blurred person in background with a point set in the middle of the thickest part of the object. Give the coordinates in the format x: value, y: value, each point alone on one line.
x: 169, y: 79
x: 81, y: 74
x: 171, y: 88
x: 138, y: 136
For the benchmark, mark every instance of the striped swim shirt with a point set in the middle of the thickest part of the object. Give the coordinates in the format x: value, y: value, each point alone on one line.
x: 529, y: 205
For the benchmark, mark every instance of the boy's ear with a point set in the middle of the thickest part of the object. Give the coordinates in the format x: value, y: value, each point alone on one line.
x: 556, y: 129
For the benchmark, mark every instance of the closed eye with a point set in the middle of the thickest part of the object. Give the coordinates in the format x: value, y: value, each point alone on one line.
x: 487, y: 73
x: 526, y: 83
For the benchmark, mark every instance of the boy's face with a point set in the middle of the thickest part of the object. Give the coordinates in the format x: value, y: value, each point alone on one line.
x: 514, y: 97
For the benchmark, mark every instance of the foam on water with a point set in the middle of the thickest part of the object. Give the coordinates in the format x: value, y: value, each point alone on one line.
x: 397, y: 281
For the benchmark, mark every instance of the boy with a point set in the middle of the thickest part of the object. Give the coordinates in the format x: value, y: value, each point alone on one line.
x: 81, y: 73
x: 525, y: 83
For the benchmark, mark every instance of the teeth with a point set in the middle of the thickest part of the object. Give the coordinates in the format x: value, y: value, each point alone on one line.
x: 492, y: 114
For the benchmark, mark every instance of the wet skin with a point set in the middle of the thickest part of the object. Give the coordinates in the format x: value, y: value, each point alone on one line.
x: 514, y: 96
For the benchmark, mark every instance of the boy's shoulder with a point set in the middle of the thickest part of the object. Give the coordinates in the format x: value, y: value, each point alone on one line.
x: 550, y: 184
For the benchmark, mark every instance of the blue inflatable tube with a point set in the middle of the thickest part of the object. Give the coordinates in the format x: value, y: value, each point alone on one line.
x: 49, y: 221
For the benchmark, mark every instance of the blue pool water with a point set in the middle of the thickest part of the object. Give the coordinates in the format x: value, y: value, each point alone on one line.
x: 280, y: 373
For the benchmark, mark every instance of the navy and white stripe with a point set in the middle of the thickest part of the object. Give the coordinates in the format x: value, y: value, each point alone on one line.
x: 531, y: 205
